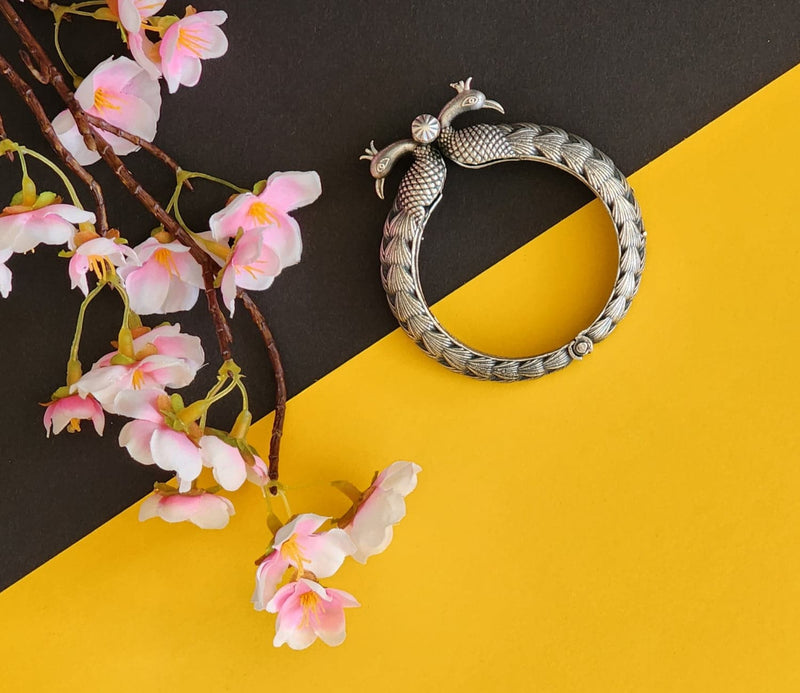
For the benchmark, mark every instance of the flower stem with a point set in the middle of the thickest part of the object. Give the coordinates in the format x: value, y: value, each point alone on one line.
x: 214, y: 179
x: 76, y: 340
x: 22, y: 164
x: 243, y: 390
x: 126, y: 314
x: 57, y: 169
x: 76, y: 79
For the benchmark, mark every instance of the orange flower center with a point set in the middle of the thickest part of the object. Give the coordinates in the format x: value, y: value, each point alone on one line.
x: 104, y: 101
x: 137, y: 379
x: 262, y: 213
x: 101, y: 266
x: 164, y: 258
x: 291, y: 551
x: 191, y: 41
x: 310, y: 603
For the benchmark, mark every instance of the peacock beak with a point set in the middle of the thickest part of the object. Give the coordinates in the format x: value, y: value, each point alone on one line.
x: 379, y: 186
x: 493, y: 105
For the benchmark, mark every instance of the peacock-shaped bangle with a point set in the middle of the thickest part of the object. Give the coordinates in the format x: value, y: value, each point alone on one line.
x: 433, y: 140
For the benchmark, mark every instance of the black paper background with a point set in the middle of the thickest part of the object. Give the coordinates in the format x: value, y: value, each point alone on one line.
x: 307, y: 85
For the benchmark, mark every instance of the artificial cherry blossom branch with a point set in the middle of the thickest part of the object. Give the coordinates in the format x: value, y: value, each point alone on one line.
x: 97, y: 143
x: 249, y: 242
x: 26, y: 92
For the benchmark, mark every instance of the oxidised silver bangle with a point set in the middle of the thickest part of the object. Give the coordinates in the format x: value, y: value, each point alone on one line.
x: 421, y: 190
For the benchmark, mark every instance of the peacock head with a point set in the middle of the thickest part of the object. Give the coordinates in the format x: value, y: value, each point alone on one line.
x: 381, y: 162
x: 467, y: 99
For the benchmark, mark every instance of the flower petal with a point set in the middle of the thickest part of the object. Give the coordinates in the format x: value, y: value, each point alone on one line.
x: 288, y: 190
x: 67, y: 131
x: 173, y: 451
x: 136, y: 437
x: 229, y: 468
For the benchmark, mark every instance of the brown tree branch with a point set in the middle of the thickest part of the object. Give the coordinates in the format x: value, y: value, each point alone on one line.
x: 149, y: 147
x: 280, y: 383
x: 25, y: 91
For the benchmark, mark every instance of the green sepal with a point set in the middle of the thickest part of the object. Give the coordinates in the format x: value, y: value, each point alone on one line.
x: 17, y: 199
x: 44, y: 199
x: 134, y: 321
x: 165, y: 489
x: 122, y: 360
x: 104, y: 14
x: 163, y: 23
x: 259, y: 187
x: 60, y: 393
x: 347, y: 489
x: 177, y: 402
x: 66, y: 253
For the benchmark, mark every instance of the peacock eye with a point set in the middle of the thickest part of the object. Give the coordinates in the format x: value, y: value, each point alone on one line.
x: 382, y: 164
x: 470, y: 101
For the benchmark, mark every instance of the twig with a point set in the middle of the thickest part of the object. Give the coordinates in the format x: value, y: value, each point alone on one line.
x: 25, y: 91
x: 149, y: 147
x: 25, y: 57
x: 280, y: 383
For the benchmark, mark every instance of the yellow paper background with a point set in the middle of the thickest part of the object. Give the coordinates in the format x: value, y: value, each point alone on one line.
x: 630, y: 524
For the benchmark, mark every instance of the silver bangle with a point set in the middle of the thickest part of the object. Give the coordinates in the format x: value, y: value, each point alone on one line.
x: 421, y: 190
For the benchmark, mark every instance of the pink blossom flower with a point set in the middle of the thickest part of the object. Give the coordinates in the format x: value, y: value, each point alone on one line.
x: 307, y: 611
x: 120, y: 92
x: 102, y: 256
x: 257, y: 257
x: 168, y: 279
x: 168, y: 359
x: 132, y: 12
x: 226, y: 462
x: 194, y: 38
x: 52, y: 224
x: 67, y: 412
x: 169, y: 341
x: 149, y: 438
x: 5, y: 273
x: 297, y: 545
x: 382, y: 505
x: 206, y: 510
x: 285, y: 191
